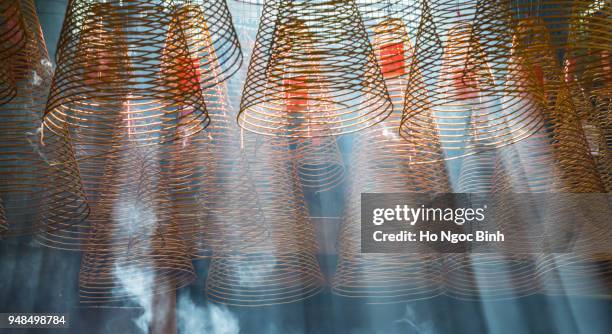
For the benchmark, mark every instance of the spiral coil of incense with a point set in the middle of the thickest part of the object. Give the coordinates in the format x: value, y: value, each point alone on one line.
x: 388, y: 23
x: 213, y: 199
x: 462, y: 79
x: 310, y: 52
x: 112, y: 54
x: 578, y: 30
x: 224, y: 215
x: 319, y: 163
x: 556, y: 159
x: 39, y: 181
x: 385, y: 163
x: 135, y: 246
x: 13, y: 37
x: 283, y: 268
x: 501, y: 272
x: 388, y: 163
x: 208, y: 27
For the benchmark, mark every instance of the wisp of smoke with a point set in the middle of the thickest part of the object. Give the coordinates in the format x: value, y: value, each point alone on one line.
x: 214, y: 319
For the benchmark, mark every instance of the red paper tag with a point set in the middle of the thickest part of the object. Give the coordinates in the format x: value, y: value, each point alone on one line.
x: 188, y: 73
x: 391, y: 59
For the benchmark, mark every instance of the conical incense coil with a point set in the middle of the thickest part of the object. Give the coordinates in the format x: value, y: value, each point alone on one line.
x: 500, y: 273
x: 318, y: 159
x: 283, y: 268
x: 598, y: 122
x: 462, y: 81
x: 213, y: 198
x: 579, y: 29
x: 211, y: 36
x: 13, y: 36
x: 310, y: 52
x: 112, y: 54
x: 385, y: 163
x: 135, y: 248
x: 215, y: 202
x: 549, y: 162
x: 389, y: 24
x: 39, y: 181
x: 319, y: 163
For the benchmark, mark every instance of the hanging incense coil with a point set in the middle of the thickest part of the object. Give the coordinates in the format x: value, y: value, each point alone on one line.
x: 211, y: 191
x: 385, y: 163
x: 116, y: 54
x: 578, y: 29
x: 308, y: 53
x: 461, y: 79
x: 496, y: 273
x: 215, y: 203
x: 13, y: 37
x: 283, y: 268
x: 135, y: 247
x: 319, y: 163
x: 556, y: 159
x: 208, y: 28
x: 39, y: 181
x: 389, y: 24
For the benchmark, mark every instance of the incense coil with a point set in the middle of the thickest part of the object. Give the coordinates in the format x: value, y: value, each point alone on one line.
x: 599, y: 120
x: 211, y: 36
x: 389, y: 24
x: 578, y: 28
x: 556, y: 159
x: 310, y: 52
x: 502, y: 273
x: 13, y: 37
x: 213, y: 199
x: 228, y: 214
x: 39, y: 181
x: 462, y: 79
x: 319, y: 164
x: 283, y: 268
x: 134, y: 243
x: 110, y: 56
x: 386, y: 163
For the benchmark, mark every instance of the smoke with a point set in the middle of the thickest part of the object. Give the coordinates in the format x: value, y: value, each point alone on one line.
x: 137, y: 284
x: 254, y: 273
x: 413, y: 324
x: 36, y: 140
x: 133, y: 217
x: 213, y: 319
